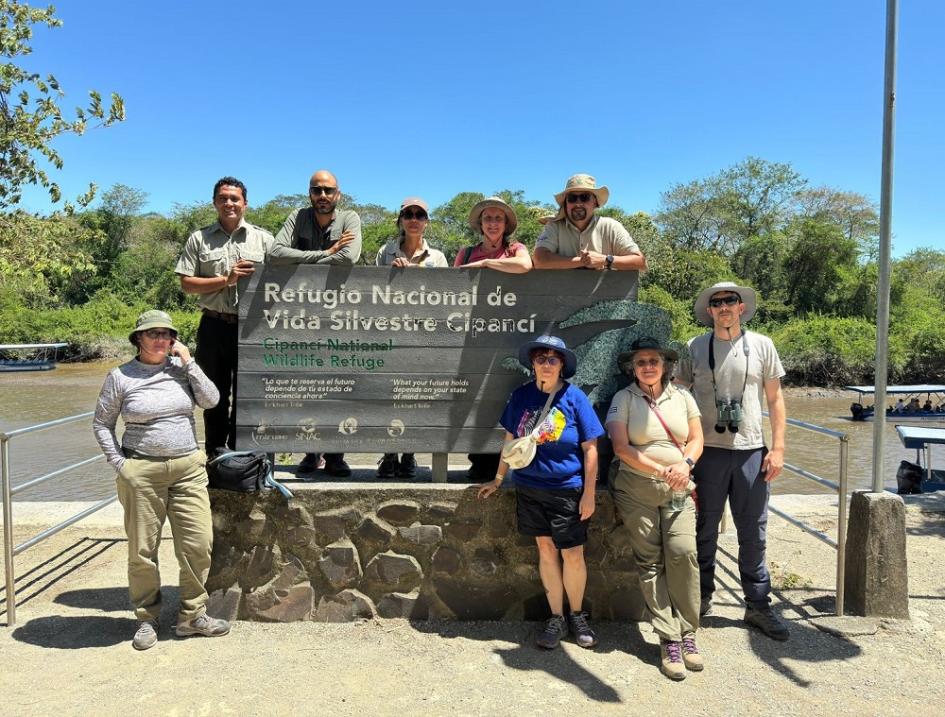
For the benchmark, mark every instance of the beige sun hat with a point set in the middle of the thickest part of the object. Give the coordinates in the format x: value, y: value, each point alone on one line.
x: 581, y: 183
x: 152, y: 319
x: 748, y: 296
x: 475, y: 214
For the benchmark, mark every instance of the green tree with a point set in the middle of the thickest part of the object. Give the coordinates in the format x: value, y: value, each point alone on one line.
x: 855, y: 215
x: 814, y: 264
x: 30, y: 112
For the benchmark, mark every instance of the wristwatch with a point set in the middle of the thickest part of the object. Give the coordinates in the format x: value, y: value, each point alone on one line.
x: 692, y: 463
x: 610, y: 261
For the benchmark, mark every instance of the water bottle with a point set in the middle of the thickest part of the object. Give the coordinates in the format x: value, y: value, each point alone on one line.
x: 679, y: 497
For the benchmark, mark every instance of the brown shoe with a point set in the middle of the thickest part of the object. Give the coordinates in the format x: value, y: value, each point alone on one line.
x: 671, y: 661
x: 690, y: 653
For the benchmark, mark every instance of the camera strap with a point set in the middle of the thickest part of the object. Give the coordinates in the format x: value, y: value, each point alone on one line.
x: 712, y: 364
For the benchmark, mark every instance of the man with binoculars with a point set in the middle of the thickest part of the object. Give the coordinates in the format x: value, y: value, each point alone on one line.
x: 727, y: 371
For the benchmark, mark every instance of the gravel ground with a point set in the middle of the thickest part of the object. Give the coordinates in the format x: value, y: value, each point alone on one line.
x: 69, y: 653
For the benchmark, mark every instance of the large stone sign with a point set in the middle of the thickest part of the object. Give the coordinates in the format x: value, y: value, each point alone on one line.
x: 388, y: 359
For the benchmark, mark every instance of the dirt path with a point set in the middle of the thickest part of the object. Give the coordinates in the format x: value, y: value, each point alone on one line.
x: 70, y: 654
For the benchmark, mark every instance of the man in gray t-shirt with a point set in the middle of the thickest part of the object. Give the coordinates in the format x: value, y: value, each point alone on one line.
x: 730, y: 371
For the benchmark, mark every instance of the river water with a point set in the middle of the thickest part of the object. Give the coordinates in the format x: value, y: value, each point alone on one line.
x: 28, y: 398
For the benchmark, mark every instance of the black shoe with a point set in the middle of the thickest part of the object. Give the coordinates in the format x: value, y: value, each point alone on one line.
x: 555, y: 628
x: 335, y: 466
x: 583, y: 634
x: 408, y: 467
x: 765, y: 620
x: 387, y: 468
x: 705, y: 606
x: 310, y: 463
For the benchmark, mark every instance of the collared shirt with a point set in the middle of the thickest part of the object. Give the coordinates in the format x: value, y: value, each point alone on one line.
x: 302, y: 231
x: 425, y: 255
x: 603, y: 235
x: 211, y: 252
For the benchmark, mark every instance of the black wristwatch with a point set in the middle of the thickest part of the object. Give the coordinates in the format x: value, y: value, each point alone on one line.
x: 692, y: 463
x: 610, y: 261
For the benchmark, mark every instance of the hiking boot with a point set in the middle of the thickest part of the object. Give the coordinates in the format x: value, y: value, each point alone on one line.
x: 310, y: 463
x: 555, y: 628
x: 671, y: 661
x: 204, y: 625
x: 765, y: 620
x: 705, y: 606
x: 387, y: 467
x: 408, y: 467
x: 335, y: 465
x: 690, y: 653
x: 146, y: 636
x: 583, y: 634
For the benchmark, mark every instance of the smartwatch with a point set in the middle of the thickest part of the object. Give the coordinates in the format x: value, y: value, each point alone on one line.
x: 610, y: 261
x: 692, y: 463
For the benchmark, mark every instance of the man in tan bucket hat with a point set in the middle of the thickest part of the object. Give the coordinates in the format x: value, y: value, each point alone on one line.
x: 576, y: 238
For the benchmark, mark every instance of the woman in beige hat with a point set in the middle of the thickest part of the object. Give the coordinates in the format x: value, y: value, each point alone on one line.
x: 161, y: 472
x: 495, y: 221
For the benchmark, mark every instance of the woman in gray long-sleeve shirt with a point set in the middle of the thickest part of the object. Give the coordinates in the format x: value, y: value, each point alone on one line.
x: 161, y: 472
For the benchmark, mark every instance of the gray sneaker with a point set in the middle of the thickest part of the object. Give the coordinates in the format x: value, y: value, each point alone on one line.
x: 555, y: 628
x: 583, y: 634
x: 204, y: 625
x: 765, y: 620
x: 146, y: 636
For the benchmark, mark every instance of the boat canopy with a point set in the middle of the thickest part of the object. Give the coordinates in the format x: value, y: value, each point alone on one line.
x: 906, y: 389
x: 917, y: 437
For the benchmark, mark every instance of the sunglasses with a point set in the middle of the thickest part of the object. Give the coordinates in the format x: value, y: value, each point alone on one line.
x: 550, y: 360
x: 726, y: 300
x: 643, y: 363
x: 327, y: 191
x: 158, y: 333
x: 411, y: 214
x: 578, y: 198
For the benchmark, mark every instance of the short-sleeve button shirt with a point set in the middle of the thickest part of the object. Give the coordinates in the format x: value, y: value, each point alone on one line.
x: 603, y: 235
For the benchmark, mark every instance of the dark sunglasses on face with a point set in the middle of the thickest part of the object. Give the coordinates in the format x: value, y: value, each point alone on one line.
x: 727, y: 300
x: 411, y: 214
x: 158, y: 333
x: 550, y: 360
x: 327, y: 191
x: 643, y: 363
x: 576, y: 198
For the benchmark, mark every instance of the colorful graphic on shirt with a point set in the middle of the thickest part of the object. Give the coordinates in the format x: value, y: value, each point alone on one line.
x: 551, y: 428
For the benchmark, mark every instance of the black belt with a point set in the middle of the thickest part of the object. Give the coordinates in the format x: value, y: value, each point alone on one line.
x: 228, y: 318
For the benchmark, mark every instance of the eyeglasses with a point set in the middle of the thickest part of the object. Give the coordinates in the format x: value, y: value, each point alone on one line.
x: 643, y: 363
x: 411, y: 214
x: 727, y: 300
x: 327, y: 191
x: 578, y: 198
x: 158, y: 333
x: 550, y: 360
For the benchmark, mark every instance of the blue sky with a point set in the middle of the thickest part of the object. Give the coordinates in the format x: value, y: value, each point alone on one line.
x: 434, y: 98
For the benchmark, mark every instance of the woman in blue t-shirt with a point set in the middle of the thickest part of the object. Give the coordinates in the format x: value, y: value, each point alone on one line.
x: 555, y: 492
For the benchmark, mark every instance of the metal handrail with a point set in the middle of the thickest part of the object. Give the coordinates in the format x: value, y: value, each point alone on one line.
x: 9, y: 550
x: 840, y: 544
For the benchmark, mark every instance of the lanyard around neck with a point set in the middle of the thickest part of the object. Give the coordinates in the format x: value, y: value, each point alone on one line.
x: 712, y: 363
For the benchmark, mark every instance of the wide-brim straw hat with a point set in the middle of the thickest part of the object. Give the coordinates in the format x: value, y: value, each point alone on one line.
x: 555, y: 344
x: 475, y: 214
x: 748, y: 295
x: 581, y: 183
x: 153, y: 319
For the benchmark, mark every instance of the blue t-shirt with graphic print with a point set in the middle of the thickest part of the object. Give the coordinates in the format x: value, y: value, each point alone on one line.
x: 559, y: 458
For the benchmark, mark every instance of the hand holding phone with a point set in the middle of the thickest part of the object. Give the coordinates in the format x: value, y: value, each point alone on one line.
x: 180, y: 350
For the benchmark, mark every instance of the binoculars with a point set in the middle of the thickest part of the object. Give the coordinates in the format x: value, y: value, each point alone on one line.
x: 728, y: 415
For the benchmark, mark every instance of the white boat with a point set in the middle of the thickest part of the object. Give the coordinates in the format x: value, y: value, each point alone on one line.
x: 924, y: 402
x: 28, y: 357
x: 913, y: 477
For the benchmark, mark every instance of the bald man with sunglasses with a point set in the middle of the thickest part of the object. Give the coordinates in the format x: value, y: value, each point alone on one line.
x: 576, y: 238
x: 334, y: 235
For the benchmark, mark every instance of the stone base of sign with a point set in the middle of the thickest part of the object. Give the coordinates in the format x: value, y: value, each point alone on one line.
x: 342, y: 552
x: 876, y: 582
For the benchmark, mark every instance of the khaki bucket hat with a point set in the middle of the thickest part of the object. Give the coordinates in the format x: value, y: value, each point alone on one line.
x: 153, y: 319
x: 475, y: 214
x: 581, y: 183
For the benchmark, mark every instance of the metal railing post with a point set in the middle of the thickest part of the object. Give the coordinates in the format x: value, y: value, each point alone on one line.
x: 842, y: 522
x: 8, y: 530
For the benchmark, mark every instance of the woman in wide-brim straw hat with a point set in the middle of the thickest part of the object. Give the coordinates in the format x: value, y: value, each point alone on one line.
x: 161, y: 472
x: 555, y: 492
x: 495, y: 221
x: 656, y: 432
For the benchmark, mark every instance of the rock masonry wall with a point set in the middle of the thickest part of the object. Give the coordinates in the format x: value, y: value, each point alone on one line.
x: 337, y: 553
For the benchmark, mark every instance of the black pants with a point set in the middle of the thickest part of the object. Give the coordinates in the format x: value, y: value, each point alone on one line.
x: 216, y: 354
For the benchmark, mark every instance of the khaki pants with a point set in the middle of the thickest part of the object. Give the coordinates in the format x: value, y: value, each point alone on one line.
x: 664, y: 547
x: 150, y: 490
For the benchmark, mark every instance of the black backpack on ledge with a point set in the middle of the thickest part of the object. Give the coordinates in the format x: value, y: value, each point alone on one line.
x: 243, y: 472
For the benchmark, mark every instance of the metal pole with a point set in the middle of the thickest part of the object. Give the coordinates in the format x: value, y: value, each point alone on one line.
x: 842, y: 523
x: 885, y: 223
x: 8, y: 530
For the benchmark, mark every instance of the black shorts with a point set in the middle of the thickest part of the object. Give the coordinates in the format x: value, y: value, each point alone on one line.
x: 552, y: 512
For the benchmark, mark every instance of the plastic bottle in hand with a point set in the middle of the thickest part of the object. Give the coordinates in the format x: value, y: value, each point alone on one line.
x: 679, y: 497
